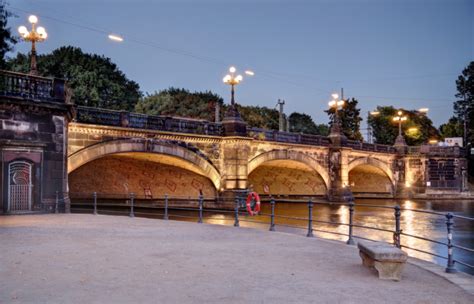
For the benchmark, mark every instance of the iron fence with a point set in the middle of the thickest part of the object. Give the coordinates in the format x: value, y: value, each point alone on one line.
x: 194, y: 208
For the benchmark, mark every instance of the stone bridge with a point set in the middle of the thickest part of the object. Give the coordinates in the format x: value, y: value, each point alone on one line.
x: 56, y: 146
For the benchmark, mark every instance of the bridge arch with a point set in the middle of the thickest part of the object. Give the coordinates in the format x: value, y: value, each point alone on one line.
x: 370, y: 162
x: 296, y: 156
x: 121, y: 146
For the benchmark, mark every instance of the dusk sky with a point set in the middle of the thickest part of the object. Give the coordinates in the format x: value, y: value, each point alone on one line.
x: 401, y: 53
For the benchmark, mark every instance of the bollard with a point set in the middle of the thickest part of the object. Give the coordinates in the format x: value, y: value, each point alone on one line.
x: 398, y: 231
x: 310, y: 219
x: 350, y: 240
x: 200, y: 209
x: 132, y: 199
x: 449, y: 225
x: 95, y: 203
x: 236, y: 213
x: 166, y: 207
x: 272, y: 216
x: 56, y: 208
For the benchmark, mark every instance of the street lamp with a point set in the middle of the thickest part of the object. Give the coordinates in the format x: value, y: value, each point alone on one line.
x: 400, y: 118
x: 232, y: 80
x: 35, y: 35
x: 336, y: 103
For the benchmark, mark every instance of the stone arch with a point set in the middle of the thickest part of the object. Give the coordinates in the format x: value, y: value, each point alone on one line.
x: 90, y: 153
x: 289, y: 155
x: 372, y: 162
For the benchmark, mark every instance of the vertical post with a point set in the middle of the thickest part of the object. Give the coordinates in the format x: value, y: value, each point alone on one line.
x: 449, y: 225
x: 350, y: 240
x: 200, y: 209
x: 397, y: 233
x: 56, y: 208
x: 272, y: 216
x: 95, y: 203
x: 310, y: 219
x: 236, y: 213
x: 166, y: 207
x: 132, y: 199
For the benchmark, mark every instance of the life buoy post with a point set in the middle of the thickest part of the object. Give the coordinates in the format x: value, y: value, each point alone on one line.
x: 253, y: 209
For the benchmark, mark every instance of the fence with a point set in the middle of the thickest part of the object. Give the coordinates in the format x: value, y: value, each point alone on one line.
x: 194, y: 209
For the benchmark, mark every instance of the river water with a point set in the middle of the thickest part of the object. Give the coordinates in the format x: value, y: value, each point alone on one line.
x: 419, y: 224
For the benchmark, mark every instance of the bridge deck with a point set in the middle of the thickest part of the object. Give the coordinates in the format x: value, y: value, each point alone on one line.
x: 104, y: 259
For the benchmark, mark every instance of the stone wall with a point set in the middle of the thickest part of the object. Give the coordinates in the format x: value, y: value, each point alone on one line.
x: 121, y: 175
x: 365, y: 178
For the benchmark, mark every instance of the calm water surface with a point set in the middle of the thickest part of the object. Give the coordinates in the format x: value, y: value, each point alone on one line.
x: 414, y: 223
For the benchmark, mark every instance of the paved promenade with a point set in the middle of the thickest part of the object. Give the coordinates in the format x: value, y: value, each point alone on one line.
x: 104, y: 259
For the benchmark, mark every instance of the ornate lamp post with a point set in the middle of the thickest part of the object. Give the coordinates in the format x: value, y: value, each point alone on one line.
x: 400, y: 141
x: 232, y: 80
x: 336, y: 104
x: 35, y: 35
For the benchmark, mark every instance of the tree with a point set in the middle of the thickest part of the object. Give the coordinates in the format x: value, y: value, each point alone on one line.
x: 95, y: 80
x: 453, y: 128
x: 180, y: 102
x: 259, y: 117
x: 464, y: 106
x: 417, y: 129
x: 303, y: 123
x: 350, y: 119
x: 7, y: 40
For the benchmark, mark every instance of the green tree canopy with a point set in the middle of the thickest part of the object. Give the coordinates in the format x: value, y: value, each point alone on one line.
x: 7, y: 40
x: 453, y: 128
x: 417, y: 129
x: 350, y: 119
x: 303, y: 123
x: 464, y: 106
x: 95, y: 80
x: 180, y: 102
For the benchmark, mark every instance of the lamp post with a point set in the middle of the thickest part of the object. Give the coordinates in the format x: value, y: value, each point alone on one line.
x: 35, y: 35
x: 336, y: 103
x: 400, y: 118
x: 232, y: 80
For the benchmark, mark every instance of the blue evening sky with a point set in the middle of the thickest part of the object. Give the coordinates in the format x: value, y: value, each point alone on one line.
x: 405, y: 53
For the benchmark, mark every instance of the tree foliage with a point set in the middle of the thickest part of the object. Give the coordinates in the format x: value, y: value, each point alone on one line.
x: 180, y: 102
x: 464, y: 106
x: 417, y: 129
x: 7, y: 40
x: 95, y: 80
x: 453, y: 128
x: 350, y: 119
x: 259, y: 117
x: 303, y: 123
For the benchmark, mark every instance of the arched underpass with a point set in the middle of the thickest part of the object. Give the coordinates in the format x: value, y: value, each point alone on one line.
x: 367, y: 180
x: 148, y: 175
x: 287, y: 178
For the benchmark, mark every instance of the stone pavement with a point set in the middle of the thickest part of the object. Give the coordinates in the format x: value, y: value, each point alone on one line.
x: 72, y: 258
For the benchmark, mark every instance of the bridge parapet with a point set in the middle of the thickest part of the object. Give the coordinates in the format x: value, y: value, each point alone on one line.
x: 433, y: 151
x: 33, y: 88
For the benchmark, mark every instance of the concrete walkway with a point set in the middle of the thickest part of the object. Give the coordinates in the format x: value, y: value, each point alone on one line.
x: 103, y: 259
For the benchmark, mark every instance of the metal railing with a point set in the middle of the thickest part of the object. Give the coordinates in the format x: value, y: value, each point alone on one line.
x: 29, y: 87
x: 195, y: 209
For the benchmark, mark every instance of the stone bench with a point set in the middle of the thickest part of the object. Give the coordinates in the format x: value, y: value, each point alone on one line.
x: 386, y: 258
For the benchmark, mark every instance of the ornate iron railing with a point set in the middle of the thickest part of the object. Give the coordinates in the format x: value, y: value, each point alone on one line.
x: 29, y: 87
x: 149, y: 122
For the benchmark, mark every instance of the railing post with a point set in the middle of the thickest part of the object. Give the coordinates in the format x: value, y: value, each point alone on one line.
x: 272, y: 215
x: 236, y: 213
x: 200, y: 209
x: 56, y: 208
x: 166, y: 207
x: 449, y: 225
x: 398, y: 231
x: 95, y: 203
x: 132, y: 199
x: 350, y: 240
x: 310, y: 219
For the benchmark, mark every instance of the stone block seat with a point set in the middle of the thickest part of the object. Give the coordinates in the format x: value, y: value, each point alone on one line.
x: 387, y: 259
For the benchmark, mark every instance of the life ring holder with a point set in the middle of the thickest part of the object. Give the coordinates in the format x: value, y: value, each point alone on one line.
x: 256, y: 209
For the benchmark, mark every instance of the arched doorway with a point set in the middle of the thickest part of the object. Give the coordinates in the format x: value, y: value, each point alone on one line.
x: 19, y: 186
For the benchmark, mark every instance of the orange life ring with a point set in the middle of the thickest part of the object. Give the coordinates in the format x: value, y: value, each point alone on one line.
x: 256, y: 209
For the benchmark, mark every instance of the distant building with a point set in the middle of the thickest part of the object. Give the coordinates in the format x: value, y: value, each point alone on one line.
x: 453, y: 141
